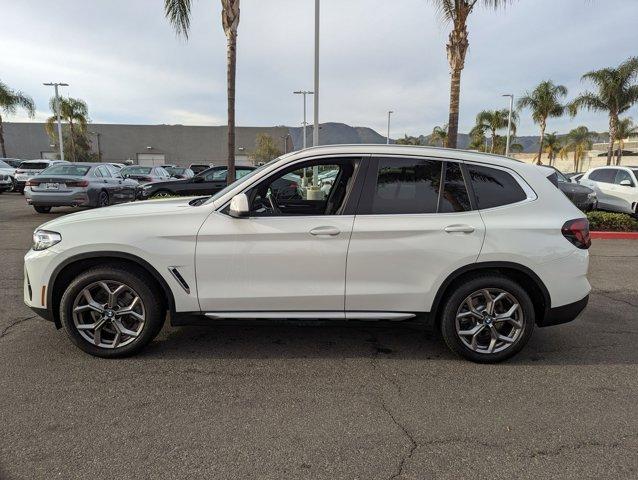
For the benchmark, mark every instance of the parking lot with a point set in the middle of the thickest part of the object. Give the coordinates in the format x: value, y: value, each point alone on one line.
x: 304, y: 402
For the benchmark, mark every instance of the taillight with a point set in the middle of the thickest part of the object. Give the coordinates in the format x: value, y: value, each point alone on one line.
x: 79, y: 183
x: 294, y: 185
x: 32, y: 183
x: 577, y: 232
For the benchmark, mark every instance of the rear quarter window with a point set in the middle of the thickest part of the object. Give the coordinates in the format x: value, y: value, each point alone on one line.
x: 493, y: 187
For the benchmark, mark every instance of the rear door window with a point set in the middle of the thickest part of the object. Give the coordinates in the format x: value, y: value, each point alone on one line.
x: 622, y: 175
x: 604, y: 175
x: 494, y: 187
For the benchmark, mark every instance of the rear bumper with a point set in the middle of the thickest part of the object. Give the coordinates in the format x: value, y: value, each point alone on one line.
x: 564, y: 313
x: 66, y: 199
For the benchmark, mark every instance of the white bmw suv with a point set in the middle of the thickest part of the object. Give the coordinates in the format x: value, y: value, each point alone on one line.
x: 480, y: 246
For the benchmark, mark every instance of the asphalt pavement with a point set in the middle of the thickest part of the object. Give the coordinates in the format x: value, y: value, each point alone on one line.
x: 285, y: 402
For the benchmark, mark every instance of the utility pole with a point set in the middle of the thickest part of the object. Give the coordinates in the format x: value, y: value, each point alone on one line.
x: 509, y: 124
x: 387, y: 138
x: 315, y: 130
x: 304, y: 93
x: 57, y: 112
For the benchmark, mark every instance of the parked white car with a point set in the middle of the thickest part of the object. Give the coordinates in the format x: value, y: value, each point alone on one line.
x: 29, y: 169
x: 7, y: 175
x: 481, y: 246
x: 616, y: 188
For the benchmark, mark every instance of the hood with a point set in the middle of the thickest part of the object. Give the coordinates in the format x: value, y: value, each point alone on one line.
x: 142, y: 209
x: 7, y: 171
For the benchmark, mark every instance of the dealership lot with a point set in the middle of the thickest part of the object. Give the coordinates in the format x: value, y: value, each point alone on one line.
x: 293, y: 402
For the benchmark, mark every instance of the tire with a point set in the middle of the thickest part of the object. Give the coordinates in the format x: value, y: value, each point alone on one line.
x: 162, y: 194
x: 41, y: 209
x: 13, y: 185
x: 478, y: 347
x: 136, y: 283
x: 103, y: 199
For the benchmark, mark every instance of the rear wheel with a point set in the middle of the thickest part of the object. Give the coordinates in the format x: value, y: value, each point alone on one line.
x: 162, y: 194
x: 111, y: 312
x: 487, y: 319
x: 41, y: 209
x: 103, y: 199
x: 13, y: 185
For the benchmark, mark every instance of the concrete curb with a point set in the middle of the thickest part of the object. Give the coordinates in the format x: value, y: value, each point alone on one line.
x: 615, y: 235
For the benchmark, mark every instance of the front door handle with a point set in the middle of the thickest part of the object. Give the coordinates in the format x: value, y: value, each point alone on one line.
x: 329, y: 231
x: 459, y: 229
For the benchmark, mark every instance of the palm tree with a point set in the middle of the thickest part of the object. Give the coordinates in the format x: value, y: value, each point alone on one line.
x: 439, y: 135
x: 10, y: 101
x: 178, y: 13
x: 74, y: 112
x: 617, y: 92
x: 552, y: 145
x: 544, y: 102
x: 626, y: 129
x: 456, y: 12
x: 408, y: 140
x: 579, y: 140
x: 493, y: 121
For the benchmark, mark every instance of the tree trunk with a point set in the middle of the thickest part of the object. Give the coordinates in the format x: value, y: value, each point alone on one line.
x: 575, y: 162
x: 621, y: 144
x: 493, y: 140
x: 231, y: 59
x: 453, y: 120
x: 612, y: 138
x: 4, y: 151
x: 540, y: 148
x: 72, y: 140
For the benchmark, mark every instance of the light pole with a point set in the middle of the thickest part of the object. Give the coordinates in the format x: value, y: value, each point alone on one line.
x: 304, y: 93
x: 57, y: 112
x: 387, y: 138
x: 509, y: 123
x: 315, y: 129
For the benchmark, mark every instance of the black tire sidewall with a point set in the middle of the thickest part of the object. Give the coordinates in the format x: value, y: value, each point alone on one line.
x: 99, y: 199
x: 42, y: 209
x: 136, y: 280
x: 448, y: 317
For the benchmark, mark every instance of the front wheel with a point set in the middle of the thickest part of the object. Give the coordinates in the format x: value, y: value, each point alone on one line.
x: 111, y: 312
x: 41, y: 209
x: 162, y: 194
x: 487, y: 319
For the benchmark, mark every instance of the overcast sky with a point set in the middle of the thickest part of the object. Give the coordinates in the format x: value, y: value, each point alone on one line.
x: 124, y: 60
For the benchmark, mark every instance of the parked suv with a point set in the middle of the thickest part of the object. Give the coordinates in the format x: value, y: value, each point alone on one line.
x: 29, y: 169
x: 481, y: 246
x: 616, y: 188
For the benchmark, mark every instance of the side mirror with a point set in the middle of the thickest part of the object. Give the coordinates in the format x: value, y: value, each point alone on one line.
x: 239, y: 207
x: 625, y: 183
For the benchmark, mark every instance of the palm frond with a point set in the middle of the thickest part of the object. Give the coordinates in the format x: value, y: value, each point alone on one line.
x: 178, y: 13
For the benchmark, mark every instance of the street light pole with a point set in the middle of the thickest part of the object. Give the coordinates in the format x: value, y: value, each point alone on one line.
x: 509, y: 124
x: 387, y: 138
x: 304, y: 93
x: 57, y: 113
x: 315, y: 129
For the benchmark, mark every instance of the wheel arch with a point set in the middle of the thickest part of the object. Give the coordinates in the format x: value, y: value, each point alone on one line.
x: 77, y: 263
x: 521, y: 274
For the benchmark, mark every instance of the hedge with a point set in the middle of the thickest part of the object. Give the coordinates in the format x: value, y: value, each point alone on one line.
x: 611, y: 222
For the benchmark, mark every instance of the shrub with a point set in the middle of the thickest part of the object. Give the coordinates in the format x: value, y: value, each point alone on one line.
x: 612, y: 222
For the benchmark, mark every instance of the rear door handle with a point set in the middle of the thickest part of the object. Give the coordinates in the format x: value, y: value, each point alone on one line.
x: 329, y: 231
x: 459, y: 229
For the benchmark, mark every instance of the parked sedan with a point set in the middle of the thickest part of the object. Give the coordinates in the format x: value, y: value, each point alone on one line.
x: 179, y: 172
x: 207, y: 182
x: 145, y: 174
x: 6, y: 169
x: 78, y: 185
x: 29, y: 169
x: 12, y: 162
x: 583, y: 197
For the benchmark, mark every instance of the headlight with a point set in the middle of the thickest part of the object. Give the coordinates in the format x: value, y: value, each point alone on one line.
x: 146, y: 187
x: 591, y: 195
x: 43, y: 239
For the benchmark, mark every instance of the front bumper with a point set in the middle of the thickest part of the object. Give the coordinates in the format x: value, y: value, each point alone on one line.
x: 5, y: 186
x: 564, y: 313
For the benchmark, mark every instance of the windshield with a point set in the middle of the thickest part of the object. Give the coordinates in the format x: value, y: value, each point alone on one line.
x: 561, y: 177
x: 67, y: 170
x: 135, y: 171
x: 4, y: 165
x: 239, y: 181
x: 175, y: 170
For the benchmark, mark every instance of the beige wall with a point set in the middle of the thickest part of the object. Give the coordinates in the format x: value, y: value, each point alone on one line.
x: 567, y: 165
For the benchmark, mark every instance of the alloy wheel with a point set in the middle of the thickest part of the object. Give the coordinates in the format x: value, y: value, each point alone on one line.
x: 109, y: 314
x: 489, y: 321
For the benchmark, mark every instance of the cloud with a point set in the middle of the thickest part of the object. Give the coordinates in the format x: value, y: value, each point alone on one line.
x: 124, y: 59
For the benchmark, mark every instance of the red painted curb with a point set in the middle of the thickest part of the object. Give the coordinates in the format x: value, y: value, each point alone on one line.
x: 615, y: 235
